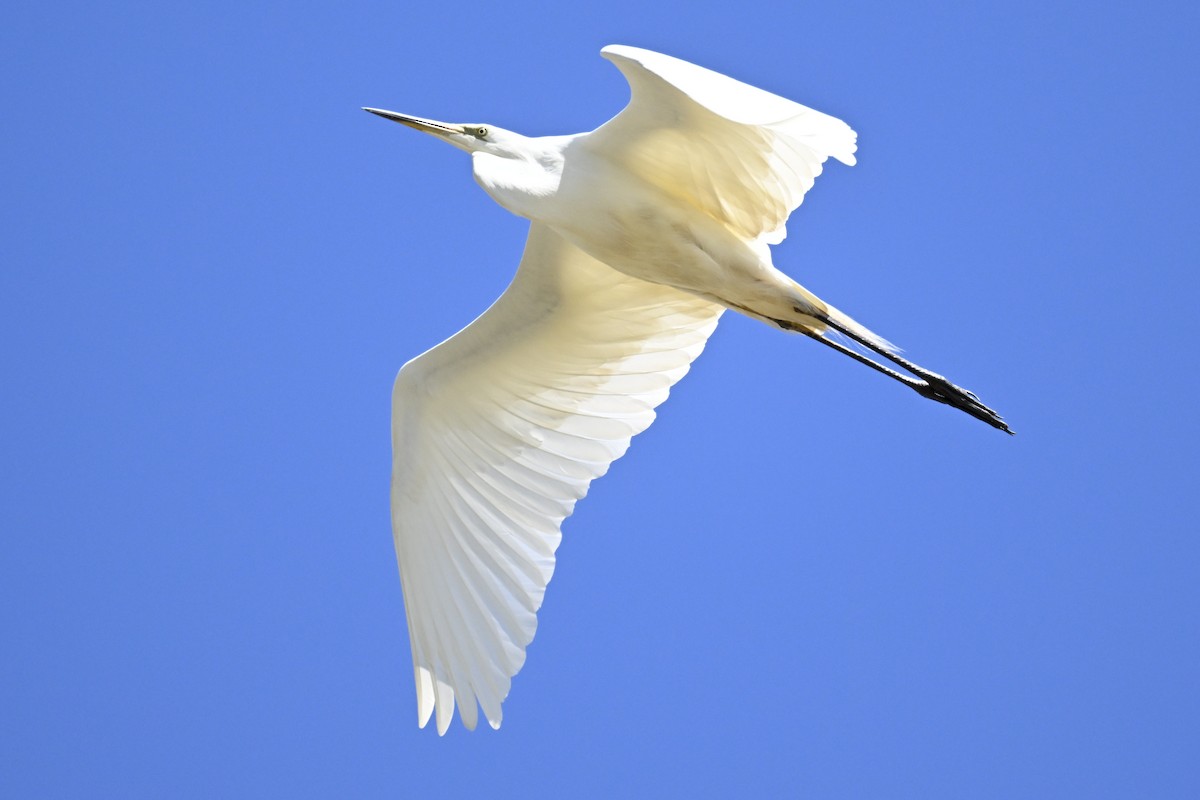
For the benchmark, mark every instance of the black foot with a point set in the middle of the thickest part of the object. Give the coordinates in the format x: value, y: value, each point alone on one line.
x: 935, y: 387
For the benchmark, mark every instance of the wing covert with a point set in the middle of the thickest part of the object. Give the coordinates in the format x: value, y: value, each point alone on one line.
x: 497, y: 432
x: 742, y: 155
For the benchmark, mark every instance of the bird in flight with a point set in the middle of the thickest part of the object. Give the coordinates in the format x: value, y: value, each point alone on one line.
x: 642, y: 233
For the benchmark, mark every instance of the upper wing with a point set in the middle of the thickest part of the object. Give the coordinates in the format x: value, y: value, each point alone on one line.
x: 742, y: 155
x: 497, y: 432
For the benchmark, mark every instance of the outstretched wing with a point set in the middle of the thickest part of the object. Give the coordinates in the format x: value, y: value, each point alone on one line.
x: 497, y: 432
x: 740, y: 154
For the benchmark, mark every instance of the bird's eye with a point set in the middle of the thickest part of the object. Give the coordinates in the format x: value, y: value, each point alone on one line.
x: 480, y: 132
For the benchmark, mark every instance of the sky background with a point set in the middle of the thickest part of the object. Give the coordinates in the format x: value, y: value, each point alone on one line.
x: 803, y: 580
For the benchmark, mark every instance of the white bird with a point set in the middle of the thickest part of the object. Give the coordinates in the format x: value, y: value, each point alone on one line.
x: 642, y: 233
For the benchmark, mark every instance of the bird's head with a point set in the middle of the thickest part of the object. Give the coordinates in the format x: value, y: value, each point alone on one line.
x: 519, y: 172
x: 473, y: 137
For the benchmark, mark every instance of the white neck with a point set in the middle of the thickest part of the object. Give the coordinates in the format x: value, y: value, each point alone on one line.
x: 523, y: 177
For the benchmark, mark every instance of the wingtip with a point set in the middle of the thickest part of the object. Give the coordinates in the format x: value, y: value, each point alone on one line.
x: 621, y: 51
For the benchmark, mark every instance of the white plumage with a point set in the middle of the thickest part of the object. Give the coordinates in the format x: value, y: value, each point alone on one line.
x: 497, y: 432
x: 643, y: 232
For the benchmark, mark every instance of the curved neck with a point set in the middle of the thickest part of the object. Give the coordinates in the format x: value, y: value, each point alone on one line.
x: 523, y: 178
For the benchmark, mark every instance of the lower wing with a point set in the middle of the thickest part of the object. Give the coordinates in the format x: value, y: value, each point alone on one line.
x: 497, y: 432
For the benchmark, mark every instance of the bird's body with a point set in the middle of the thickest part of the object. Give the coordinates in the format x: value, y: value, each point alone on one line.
x: 642, y: 233
x: 646, y: 219
x: 649, y: 234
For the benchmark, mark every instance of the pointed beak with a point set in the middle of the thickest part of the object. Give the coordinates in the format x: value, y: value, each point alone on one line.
x: 424, y: 125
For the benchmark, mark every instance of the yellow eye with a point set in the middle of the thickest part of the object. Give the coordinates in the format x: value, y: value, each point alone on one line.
x: 481, y: 132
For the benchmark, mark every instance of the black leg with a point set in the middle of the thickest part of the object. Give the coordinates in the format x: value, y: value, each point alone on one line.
x: 927, y: 384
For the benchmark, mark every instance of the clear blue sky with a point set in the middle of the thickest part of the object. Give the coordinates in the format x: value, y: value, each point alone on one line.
x: 213, y: 263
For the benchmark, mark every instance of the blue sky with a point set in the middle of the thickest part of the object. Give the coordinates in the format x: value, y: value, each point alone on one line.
x: 801, y: 581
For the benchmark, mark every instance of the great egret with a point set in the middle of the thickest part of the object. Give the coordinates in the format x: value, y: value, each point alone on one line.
x: 642, y: 233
